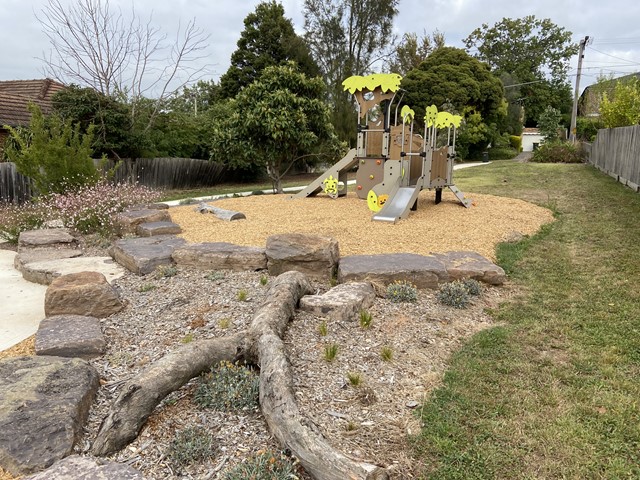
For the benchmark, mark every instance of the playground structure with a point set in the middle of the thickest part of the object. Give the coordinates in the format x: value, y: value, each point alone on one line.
x: 394, y: 163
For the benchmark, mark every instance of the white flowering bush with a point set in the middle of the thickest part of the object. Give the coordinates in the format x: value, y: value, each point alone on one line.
x: 88, y: 209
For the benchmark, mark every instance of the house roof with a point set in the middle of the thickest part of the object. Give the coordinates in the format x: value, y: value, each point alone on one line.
x: 42, y: 89
x: 15, y: 96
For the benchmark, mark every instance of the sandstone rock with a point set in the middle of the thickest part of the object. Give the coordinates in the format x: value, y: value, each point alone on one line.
x: 472, y: 265
x: 46, y: 237
x: 44, y: 402
x: 129, y: 220
x: 70, y: 336
x: 43, y: 254
x: 44, y: 272
x: 423, y: 271
x: 76, y: 467
x: 154, y: 229
x: 342, y: 302
x: 315, y: 256
x: 220, y: 256
x: 144, y: 255
x: 84, y: 293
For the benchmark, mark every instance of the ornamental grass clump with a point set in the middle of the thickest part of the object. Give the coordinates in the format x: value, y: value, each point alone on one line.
x: 454, y: 294
x: 402, y: 291
x: 190, y: 445
x: 264, y: 466
x: 228, y: 387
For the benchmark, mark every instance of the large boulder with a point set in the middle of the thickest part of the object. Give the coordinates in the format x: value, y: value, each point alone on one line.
x: 46, y: 237
x: 70, y: 336
x: 461, y: 265
x: 343, y: 302
x: 144, y: 255
x: 129, y: 220
x: 220, y: 256
x: 314, y: 255
x: 83, y: 293
x: 423, y: 271
x: 44, y: 403
x: 43, y: 272
x: 43, y: 254
x: 153, y: 229
x: 76, y: 467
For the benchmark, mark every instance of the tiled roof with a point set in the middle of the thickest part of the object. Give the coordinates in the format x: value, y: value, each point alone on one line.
x: 42, y: 89
x: 15, y: 96
x: 14, y: 109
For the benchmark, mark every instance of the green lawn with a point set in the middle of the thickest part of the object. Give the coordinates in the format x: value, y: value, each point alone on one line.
x: 554, y: 391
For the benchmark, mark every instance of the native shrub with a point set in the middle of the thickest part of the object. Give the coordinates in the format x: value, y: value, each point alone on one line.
x: 557, y: 152
x: 18, y: 218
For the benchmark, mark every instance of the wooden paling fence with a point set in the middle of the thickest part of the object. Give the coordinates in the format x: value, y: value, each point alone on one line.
x: 616, y: 151
x: 14, y: 187
x: 163, y: 173
x: 169, y: 173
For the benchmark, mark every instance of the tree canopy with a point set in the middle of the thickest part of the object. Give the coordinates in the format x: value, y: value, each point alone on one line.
x: 622, y: 107
x: 412, y: 51
x: 456, y: 82
x: 535, y: 53
x: 346, y: 38
x: 268, y: 39
x: 273, y: 123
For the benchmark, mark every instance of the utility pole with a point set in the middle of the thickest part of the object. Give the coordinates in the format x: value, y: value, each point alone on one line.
x: 574, y: 112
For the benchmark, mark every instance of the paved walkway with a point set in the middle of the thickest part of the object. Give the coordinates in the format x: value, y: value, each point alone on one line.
x: 22, y: 303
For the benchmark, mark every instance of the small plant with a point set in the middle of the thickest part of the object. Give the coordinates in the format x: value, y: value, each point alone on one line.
x: 188, y: 338
x: 264, y: 280
x: 351, y: 426
x: 242, y: 295
x: 224, y: 323
x: 472, y: 286
x: 264, y: 466
x: 214, y: 276
x: 355, y: 379
x: 147, y: 287
x: 365, y: 319
x: 386, y: 353
x: 228, y: 387
x: 453, y: 294
x: 322, y: 329
x: 190, y: 445
x: 402, y: 291
x: 166, y: 271
x: 330, y: 352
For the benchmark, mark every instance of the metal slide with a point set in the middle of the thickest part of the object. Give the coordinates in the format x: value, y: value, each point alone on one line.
x: 342, y: 166
x: 399, y: 205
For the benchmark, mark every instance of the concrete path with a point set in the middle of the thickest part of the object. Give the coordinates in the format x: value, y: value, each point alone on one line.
x: 21, y: 303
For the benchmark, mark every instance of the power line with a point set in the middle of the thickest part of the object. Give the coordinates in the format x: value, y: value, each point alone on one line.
x: 613, y: 56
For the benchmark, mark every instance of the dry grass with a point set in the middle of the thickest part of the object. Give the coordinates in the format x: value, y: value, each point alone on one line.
x: 432, y: 228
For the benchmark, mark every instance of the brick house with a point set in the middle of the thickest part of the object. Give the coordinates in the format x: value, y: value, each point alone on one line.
x: 15, y: 96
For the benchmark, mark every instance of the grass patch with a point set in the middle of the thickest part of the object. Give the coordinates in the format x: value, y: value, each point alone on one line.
x: 552, y: 392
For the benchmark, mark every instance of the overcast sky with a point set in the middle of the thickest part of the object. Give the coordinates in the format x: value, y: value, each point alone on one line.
x: 614, y: 26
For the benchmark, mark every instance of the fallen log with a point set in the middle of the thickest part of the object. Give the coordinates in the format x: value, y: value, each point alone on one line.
x: 140, y: 395
x: 221, y: 213
x: 261, y: 344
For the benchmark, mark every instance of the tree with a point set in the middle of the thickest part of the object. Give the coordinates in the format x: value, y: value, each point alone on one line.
x: 114, y: 135
x: 268, y: 39
x: 535, y: 53
x: 549, y: 123
x: 119, y: 56
x: 276, y: 122
x: 454, y: 81
x: 52, y: 152
x: 412, y: 51
x: 346, y: 38
x: 622, y: 108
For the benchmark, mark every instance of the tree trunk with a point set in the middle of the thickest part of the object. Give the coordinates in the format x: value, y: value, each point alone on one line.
x: 221, y: 213
x: 145, y: 391
x: 261, y: 344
